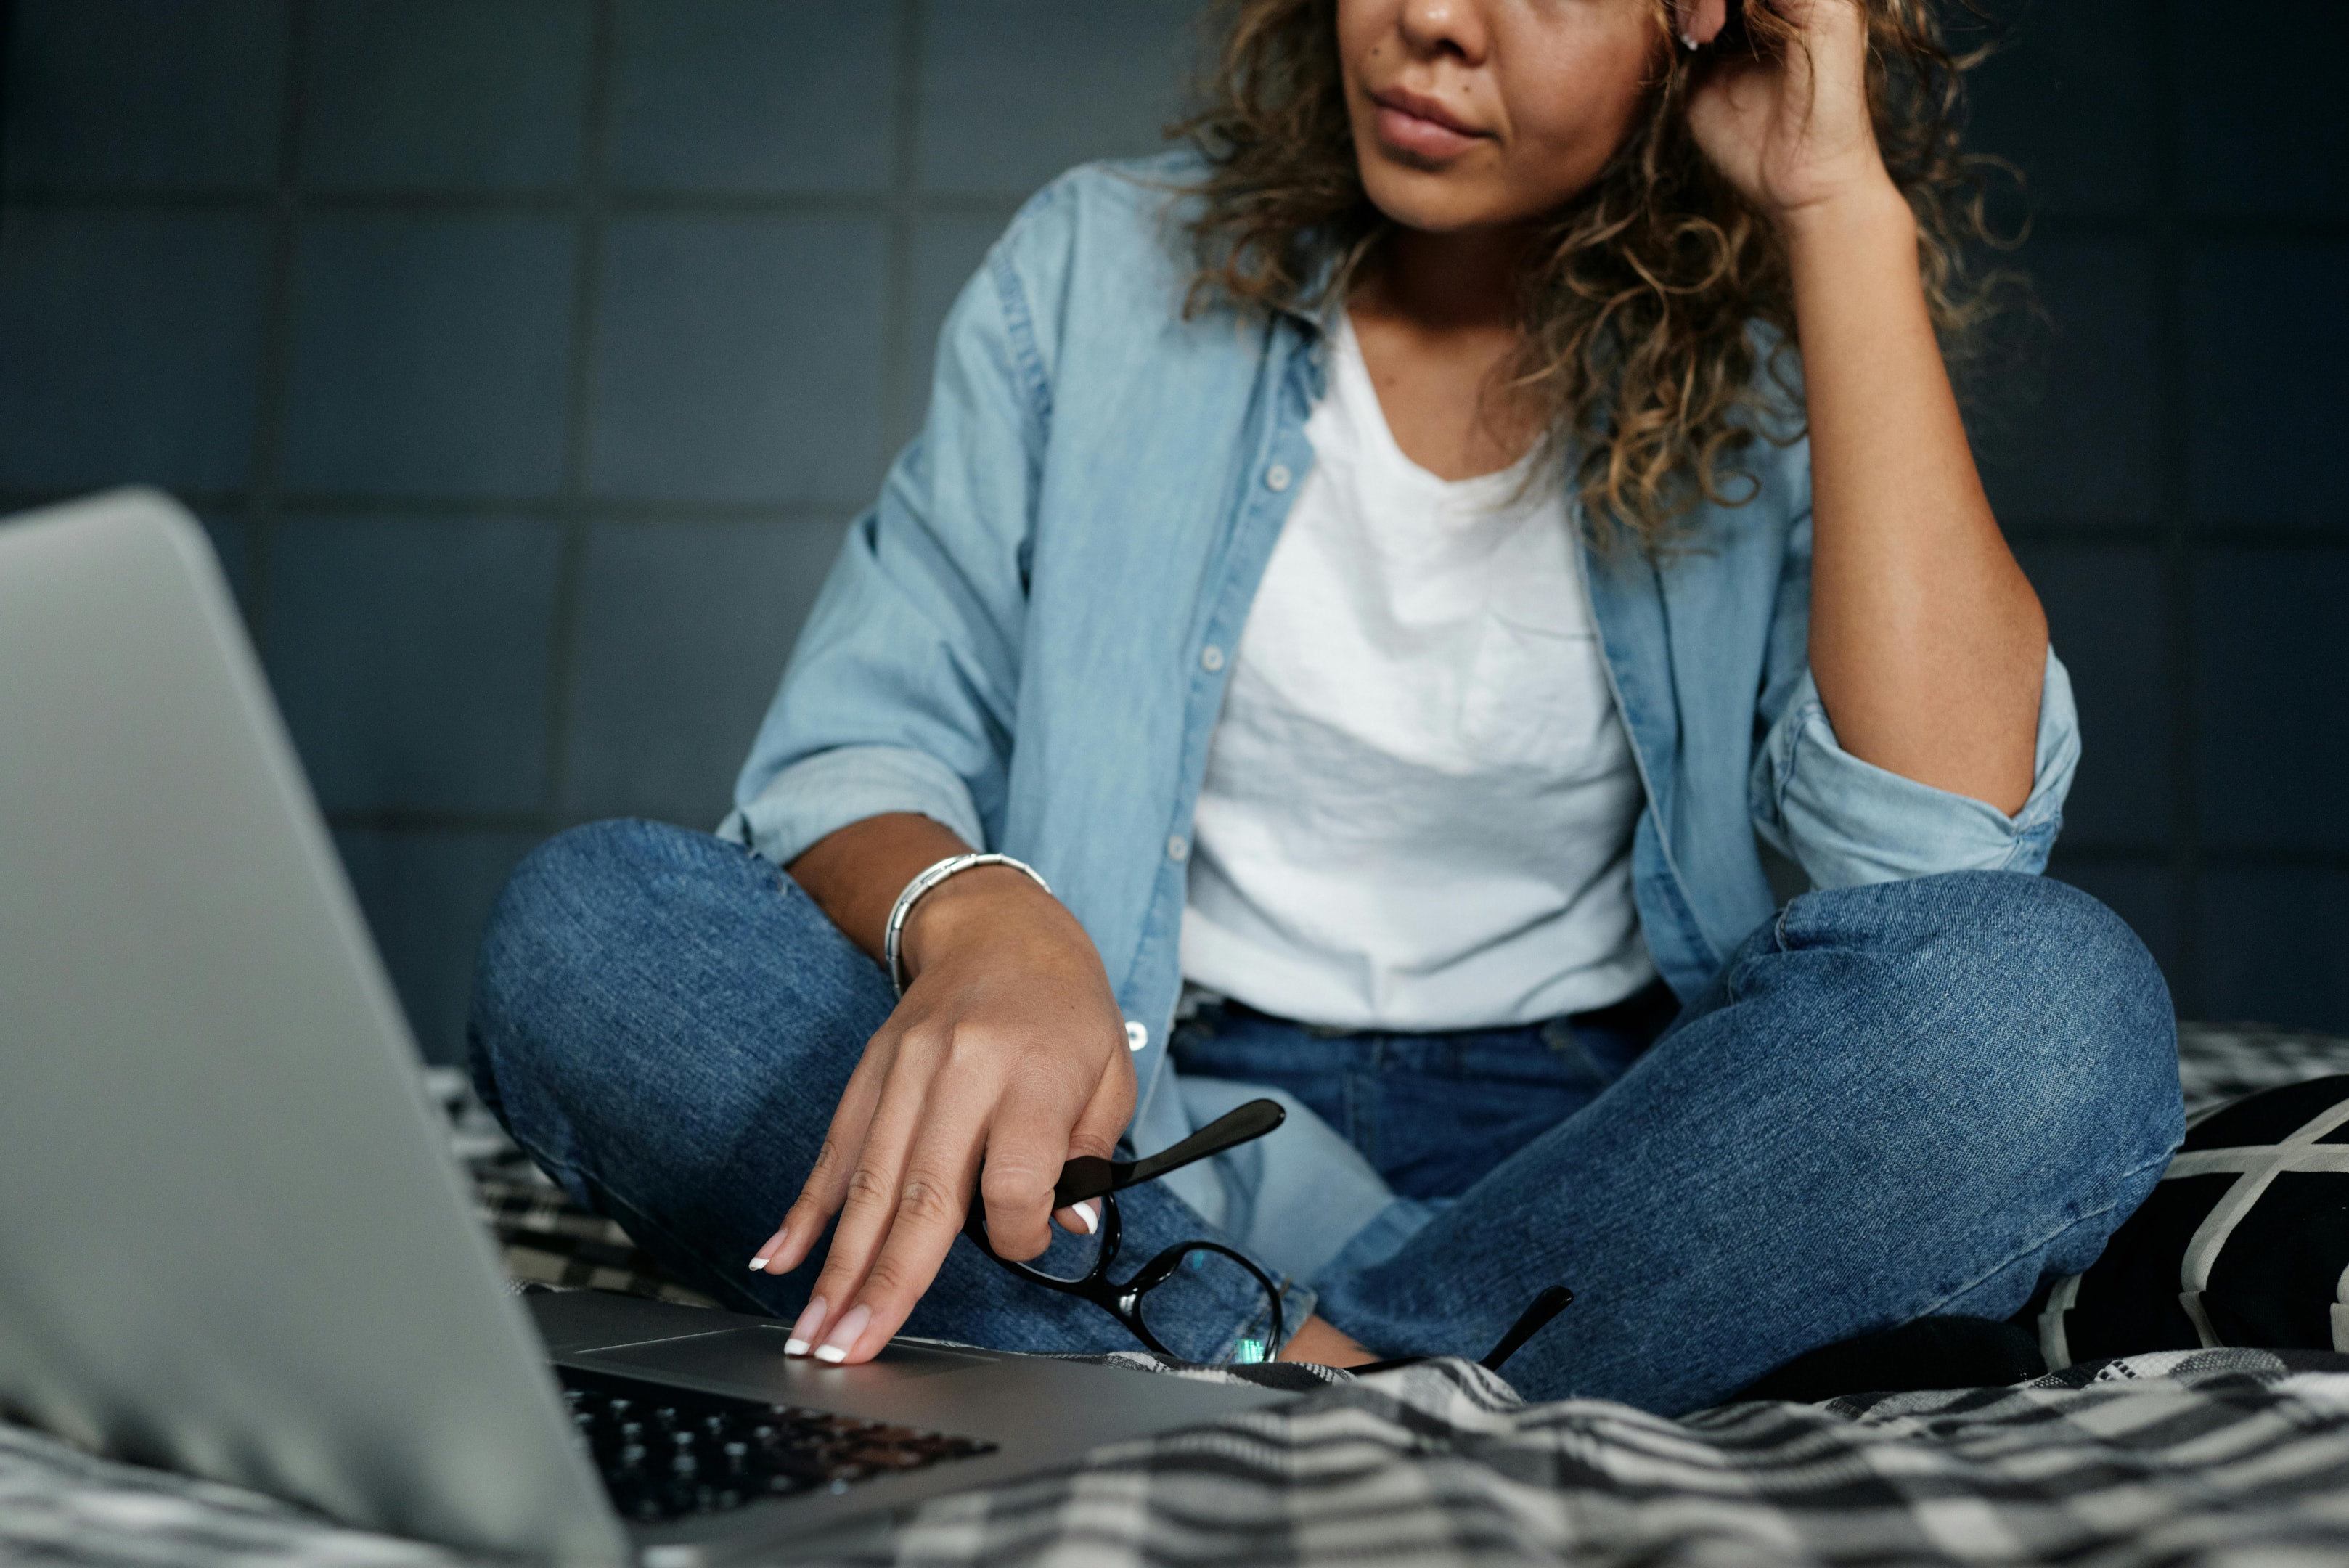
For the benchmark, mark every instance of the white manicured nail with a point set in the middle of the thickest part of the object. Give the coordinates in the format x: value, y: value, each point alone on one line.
x: 810, y: 1318
x: 843, y: 1337
x: 1088, y: 1212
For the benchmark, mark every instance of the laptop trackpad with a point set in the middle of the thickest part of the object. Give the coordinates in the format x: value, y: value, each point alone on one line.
x: 750, y: 1362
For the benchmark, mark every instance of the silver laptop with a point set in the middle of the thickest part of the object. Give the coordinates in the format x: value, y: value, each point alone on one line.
x: 232, y: 1239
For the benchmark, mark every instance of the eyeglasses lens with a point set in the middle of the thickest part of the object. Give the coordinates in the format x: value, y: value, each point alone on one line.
x: 1192, y: 1313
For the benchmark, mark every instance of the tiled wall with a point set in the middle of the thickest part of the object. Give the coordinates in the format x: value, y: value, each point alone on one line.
x: 2175, y: 491
x: 526, y: 359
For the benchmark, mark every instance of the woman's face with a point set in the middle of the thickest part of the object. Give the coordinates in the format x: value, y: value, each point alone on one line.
x: 1470, y: 113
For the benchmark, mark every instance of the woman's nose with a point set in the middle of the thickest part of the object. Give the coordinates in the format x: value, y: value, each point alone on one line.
x: 1431, y: 29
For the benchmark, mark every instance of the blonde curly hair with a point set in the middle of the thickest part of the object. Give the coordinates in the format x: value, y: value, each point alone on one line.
x: 1642, y: 298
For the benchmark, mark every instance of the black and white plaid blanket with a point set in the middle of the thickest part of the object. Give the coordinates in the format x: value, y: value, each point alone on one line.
x: 2214, y: 1457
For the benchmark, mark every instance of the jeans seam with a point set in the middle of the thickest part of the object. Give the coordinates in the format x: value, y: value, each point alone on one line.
x: 2049, y: 1239
x: 1361, y: 1127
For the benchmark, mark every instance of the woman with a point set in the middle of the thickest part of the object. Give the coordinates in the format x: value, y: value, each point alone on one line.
x: 1379, y: 569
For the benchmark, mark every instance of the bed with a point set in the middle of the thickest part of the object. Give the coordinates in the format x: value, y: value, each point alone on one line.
x: 2211, y: 1456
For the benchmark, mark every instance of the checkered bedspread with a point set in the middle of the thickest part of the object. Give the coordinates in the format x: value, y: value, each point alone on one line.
x: 2220, y: 1457
x: 2206, y: 1457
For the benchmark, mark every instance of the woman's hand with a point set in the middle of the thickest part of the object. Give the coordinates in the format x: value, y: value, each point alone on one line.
x: 1792, y: 134
x: 1009, y: 1048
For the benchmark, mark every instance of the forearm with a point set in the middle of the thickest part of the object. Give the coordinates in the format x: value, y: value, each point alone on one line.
x: 1925, y: 641
x: 854, y: 874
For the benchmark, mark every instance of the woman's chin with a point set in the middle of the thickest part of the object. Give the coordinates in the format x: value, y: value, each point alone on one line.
x: 1432, y: 211
x: 1435, y: 201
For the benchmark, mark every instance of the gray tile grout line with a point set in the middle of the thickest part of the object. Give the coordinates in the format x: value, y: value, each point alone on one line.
x: 650, y: 511
x: 2155, y: 535
x: 588, y: 281
x: 2209, y: 539
x: 2240, y: 857
x: 2187, y: 981
x: 2254, y: 228
x: 432, y: 821
x: 274, y: 394
x: 899, y: 350
x: 879, y: 205
x: 2138, y: 852
x: 7, y: 53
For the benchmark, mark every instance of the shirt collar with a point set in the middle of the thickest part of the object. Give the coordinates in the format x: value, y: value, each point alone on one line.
x: 1322, y: 317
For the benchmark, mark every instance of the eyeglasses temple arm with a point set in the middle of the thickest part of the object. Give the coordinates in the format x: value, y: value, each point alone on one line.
x: 1089, y: 1176
x: 1530, y: 1322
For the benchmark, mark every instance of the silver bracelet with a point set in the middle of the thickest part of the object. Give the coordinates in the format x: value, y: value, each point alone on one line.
x: 928, y: 879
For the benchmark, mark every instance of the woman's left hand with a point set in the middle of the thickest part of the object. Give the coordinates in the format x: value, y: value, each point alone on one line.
x: 1792, y: 134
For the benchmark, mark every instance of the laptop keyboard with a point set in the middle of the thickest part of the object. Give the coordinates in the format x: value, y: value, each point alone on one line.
x: 665, y: 1452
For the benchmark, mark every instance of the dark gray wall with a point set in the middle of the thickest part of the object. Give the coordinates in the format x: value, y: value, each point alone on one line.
x: 2175, y: 491
x: 527, y: 357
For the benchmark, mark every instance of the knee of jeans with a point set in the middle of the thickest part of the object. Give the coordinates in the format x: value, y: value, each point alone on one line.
x: 2067, y: 1015
x: 565, y: 904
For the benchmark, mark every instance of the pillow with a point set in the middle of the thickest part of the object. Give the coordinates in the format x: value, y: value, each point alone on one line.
x: 2244, y: 1242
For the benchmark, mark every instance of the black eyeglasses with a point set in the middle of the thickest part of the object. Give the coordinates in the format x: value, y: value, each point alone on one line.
x: 1129, y: 1301
x: 1092, y: 1177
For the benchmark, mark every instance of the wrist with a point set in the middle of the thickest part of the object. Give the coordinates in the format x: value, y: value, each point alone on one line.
x: 1868, y: 209
x: 965, y: 906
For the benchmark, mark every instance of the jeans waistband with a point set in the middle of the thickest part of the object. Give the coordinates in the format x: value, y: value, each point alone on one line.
x: 1643, y: 1015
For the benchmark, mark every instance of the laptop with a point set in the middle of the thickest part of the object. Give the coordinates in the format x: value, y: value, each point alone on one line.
x: 232, y: 1240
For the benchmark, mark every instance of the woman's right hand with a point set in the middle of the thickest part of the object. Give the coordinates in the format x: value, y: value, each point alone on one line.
x: 1007, y: 1051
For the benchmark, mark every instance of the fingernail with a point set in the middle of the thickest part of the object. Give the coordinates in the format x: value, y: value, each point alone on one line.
x: 759, y: 1263
x: 843, y: 1337
x: 1088, y: 1212
x: 810, y: 1318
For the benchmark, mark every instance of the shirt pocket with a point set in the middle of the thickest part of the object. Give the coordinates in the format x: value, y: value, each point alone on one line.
x: 1537, y: 699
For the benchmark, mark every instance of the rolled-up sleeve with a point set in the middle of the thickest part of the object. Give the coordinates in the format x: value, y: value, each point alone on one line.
x: 1846, y: 822
x: 900, y: 694
x: 821, y: 794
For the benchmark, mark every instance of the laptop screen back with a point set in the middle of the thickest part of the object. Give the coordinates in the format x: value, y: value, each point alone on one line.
x: 230, y: 1242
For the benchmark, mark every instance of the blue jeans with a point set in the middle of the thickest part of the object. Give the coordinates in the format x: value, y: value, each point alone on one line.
x: 1896, y: 1100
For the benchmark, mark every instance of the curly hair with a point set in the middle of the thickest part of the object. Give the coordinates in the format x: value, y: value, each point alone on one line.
x: 1657, y: 306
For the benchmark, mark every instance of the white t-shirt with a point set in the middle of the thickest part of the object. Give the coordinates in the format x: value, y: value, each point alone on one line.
x: 1419, y: 796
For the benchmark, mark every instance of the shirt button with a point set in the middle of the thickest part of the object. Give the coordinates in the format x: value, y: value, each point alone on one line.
x: 1136, y: 1036
x: 1211, y: 659
x: 1178, y: 849
x: 1277, y: 476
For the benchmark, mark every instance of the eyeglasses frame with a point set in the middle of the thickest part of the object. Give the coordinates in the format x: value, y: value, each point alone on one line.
x: 1089, y: 1176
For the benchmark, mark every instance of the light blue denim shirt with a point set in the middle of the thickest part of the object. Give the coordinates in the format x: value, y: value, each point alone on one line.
x: 1025, y: 638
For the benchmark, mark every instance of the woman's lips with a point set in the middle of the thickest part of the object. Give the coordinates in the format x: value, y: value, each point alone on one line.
x: 1409, y: 124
